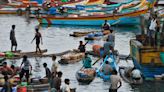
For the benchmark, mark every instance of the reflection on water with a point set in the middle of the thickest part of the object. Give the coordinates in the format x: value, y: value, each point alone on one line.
x: 57, y: 39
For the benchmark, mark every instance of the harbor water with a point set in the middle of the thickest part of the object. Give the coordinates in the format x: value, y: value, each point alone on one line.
x: 56, y: 39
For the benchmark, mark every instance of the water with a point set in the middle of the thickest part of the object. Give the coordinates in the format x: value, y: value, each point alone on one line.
x: 56, y: 39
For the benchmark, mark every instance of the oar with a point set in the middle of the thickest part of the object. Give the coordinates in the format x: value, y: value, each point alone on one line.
x: 93, y: 63
x: 96, y: 61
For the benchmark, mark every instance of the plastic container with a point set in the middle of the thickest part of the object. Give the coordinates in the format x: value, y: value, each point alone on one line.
x: 9, y: 54
x: 22, y: 89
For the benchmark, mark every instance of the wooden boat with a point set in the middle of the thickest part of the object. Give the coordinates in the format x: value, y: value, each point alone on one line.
x: 80, y: 34
x: 97, y: 19
x: 146, y: 58
x: 97, y: 35
x: 122, y: 71
x: 17, y: 55
x: 112, y: 64
x: 85, y: 75
x: 72, y: 57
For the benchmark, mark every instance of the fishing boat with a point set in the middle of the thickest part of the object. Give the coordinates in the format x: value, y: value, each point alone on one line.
x: 72, y: 57
x: 17, y: 55
x: 85, y: 75
x: 148, y: 59
x: 130, y: 80
x: 97, y: 18
x: 97, y: 35
x: 112, y: 62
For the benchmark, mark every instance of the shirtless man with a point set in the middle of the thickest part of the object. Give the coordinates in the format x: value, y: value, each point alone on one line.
x: 38, y: 38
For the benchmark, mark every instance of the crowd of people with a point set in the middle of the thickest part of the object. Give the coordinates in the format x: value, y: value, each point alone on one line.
x: 54, y: 76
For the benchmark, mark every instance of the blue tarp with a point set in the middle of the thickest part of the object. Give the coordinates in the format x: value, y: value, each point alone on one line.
x: 39, y: 1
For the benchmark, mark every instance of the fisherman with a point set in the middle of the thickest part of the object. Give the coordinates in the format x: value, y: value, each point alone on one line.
x: 48, y: 72
x: 136, y: 74
x: 38, y: 38
x: 106, y: 26
x: 87, y: 61
x: 25, y: 69
x: 107, y: 47
x: 56, y: 82
x: 115, y: 80
x: 107, y: 69
x: 111, y: 38
x: 15, y: 70
x: 5, y: 70
x: 54, y: 66
x: 13, y: 38
x: 66, y: 87
x: 152, y: 31
x: 81, y: 47
x: 7, y: 86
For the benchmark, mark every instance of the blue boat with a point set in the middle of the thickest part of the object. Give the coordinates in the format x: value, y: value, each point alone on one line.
x: 112, y: 64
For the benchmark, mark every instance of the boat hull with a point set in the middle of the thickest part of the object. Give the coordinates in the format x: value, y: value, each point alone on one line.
x: 83, y: 77
x: 121, y: 21
x: 147, y: 59
x: 130, y: 80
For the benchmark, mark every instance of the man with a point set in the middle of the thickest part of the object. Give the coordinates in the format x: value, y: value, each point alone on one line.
x: 66, y: 87
x: 7, y: 86
x: 107, y: 47
x: 25, y: 69
x: 13, y: 38
x: 107, y: 69
x: 56, y: 82
x: 111, y: 38
x: 87, y: 61
x: 38, y: 38
x: 106, y: 26
x: 5, y: 70
x: 15, y: 70
x: 136, y: 74
x: 48, y: 72
x: 152, y: 31
x: 115, y: 80
x: 54, y: 66
x: 81, y: 47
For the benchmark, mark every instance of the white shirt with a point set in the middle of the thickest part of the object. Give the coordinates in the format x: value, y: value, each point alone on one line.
x: 153, y: 24
x: 136, y: 73
x: 115, y: 79
x: 66, y: 88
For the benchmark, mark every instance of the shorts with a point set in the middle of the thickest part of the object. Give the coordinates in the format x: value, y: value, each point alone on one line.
x: 136, y: 78
x: 23, y: 72
x: 13, y: 42
x: 112, y: 90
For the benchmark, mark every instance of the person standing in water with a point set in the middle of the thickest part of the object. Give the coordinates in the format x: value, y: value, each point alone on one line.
x: 38, y: 38
x: 13, y: 38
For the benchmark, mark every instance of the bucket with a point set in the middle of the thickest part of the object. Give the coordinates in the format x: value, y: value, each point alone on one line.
x: 162, y: 56
x: 22, y: 89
